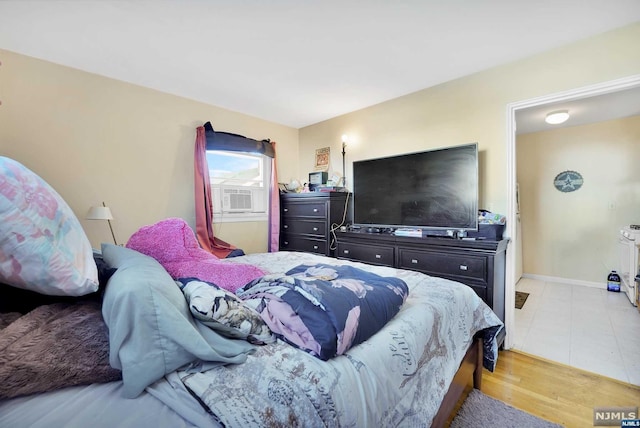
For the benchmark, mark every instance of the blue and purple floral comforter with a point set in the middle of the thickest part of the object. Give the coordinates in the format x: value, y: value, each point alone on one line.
x: 325, y: 309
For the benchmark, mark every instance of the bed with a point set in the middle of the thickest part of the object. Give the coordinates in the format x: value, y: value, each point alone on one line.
x: 133, y: 352
x: 399, y: 377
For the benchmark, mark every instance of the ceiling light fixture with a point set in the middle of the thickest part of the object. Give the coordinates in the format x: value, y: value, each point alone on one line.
x: 557, y: 117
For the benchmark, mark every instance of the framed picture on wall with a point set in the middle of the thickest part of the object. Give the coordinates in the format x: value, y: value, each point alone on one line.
x: 568, y: 181
x: 322, y: 159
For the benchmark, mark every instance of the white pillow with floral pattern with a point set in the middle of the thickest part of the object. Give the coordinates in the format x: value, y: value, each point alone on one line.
x: 43, y: 247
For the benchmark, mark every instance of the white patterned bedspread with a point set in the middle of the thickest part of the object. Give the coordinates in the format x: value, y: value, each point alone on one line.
x: 396, y: 378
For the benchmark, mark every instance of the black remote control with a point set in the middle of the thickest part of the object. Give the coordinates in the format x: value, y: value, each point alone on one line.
x: 635, y: 226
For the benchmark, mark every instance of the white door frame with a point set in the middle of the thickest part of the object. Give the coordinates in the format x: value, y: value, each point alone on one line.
x: 510, y: 274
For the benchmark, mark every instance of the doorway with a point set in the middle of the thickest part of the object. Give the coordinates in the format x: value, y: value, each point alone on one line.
x: 513, y: 251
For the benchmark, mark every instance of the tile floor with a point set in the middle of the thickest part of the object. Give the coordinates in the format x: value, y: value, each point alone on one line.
x: 585, y: 327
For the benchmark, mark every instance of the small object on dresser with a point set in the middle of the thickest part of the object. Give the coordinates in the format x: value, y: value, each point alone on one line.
x: 317, y: 179
x: 408, y: 232
x: 492, y: 232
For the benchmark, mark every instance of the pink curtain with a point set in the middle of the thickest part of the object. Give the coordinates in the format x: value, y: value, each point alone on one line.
x: 204, y: 202
x: 274, y: 207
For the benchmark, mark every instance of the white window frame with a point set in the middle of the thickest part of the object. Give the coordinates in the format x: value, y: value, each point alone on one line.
x: 259, y: 195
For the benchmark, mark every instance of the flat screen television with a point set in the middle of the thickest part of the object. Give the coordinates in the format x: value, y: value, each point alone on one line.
x: 432, y: 190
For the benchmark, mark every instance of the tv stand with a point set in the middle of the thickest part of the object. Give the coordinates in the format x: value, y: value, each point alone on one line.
x: 478, y: 263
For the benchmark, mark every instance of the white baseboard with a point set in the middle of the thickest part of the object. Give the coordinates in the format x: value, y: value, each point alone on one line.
x: 565, y: 281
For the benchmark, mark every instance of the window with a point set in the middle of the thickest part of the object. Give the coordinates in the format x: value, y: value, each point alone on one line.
x: 239, y: 185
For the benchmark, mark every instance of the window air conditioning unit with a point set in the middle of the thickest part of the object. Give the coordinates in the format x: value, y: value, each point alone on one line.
x: 237, y: 200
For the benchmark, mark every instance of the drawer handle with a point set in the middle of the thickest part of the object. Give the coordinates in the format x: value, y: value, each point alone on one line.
x: 315, y: 229
x: 315, y: 210
x: 464, y: 267
x: 378, y: 256
x: 345, y: 251
x: 414, y: 261
x: 286, y: 226
x: 286, y: 210
x: 286, y: 242
x: 315, y: 247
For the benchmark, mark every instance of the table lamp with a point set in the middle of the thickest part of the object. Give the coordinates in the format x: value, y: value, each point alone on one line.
x: 102, y: 213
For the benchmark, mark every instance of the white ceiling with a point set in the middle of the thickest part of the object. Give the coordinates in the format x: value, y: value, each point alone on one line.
x: 298, y: 62
x: 614, y: 105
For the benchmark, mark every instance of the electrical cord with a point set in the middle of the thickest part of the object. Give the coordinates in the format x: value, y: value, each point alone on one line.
x: 336, y: 226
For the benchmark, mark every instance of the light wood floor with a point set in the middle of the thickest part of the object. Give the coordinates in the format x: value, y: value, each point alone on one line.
x: 554, y: 391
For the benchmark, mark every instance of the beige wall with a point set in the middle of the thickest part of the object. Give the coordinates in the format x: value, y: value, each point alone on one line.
x: 473, y: 108
x: 96, y: 139
x: 574, y: 235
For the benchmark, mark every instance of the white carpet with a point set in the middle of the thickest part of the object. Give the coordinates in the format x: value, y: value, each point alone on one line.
x: 482, y: 411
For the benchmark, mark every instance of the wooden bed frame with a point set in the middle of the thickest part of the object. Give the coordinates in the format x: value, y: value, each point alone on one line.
x: 471, y: 365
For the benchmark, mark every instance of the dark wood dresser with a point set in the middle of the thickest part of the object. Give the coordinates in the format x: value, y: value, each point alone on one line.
x: 306, y: 220
x: 480, y: 264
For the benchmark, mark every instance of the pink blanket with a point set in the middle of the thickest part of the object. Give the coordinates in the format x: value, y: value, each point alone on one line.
x: 173, y: 244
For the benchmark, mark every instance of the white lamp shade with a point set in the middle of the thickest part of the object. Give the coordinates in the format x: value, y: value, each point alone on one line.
x: 99, y: 213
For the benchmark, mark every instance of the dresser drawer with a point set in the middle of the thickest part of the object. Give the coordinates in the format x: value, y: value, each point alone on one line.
x: 442, y: 264
x: 310, y: 209
x: 297, y: 243
x: 318, y: 228
x: 377, y: 255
